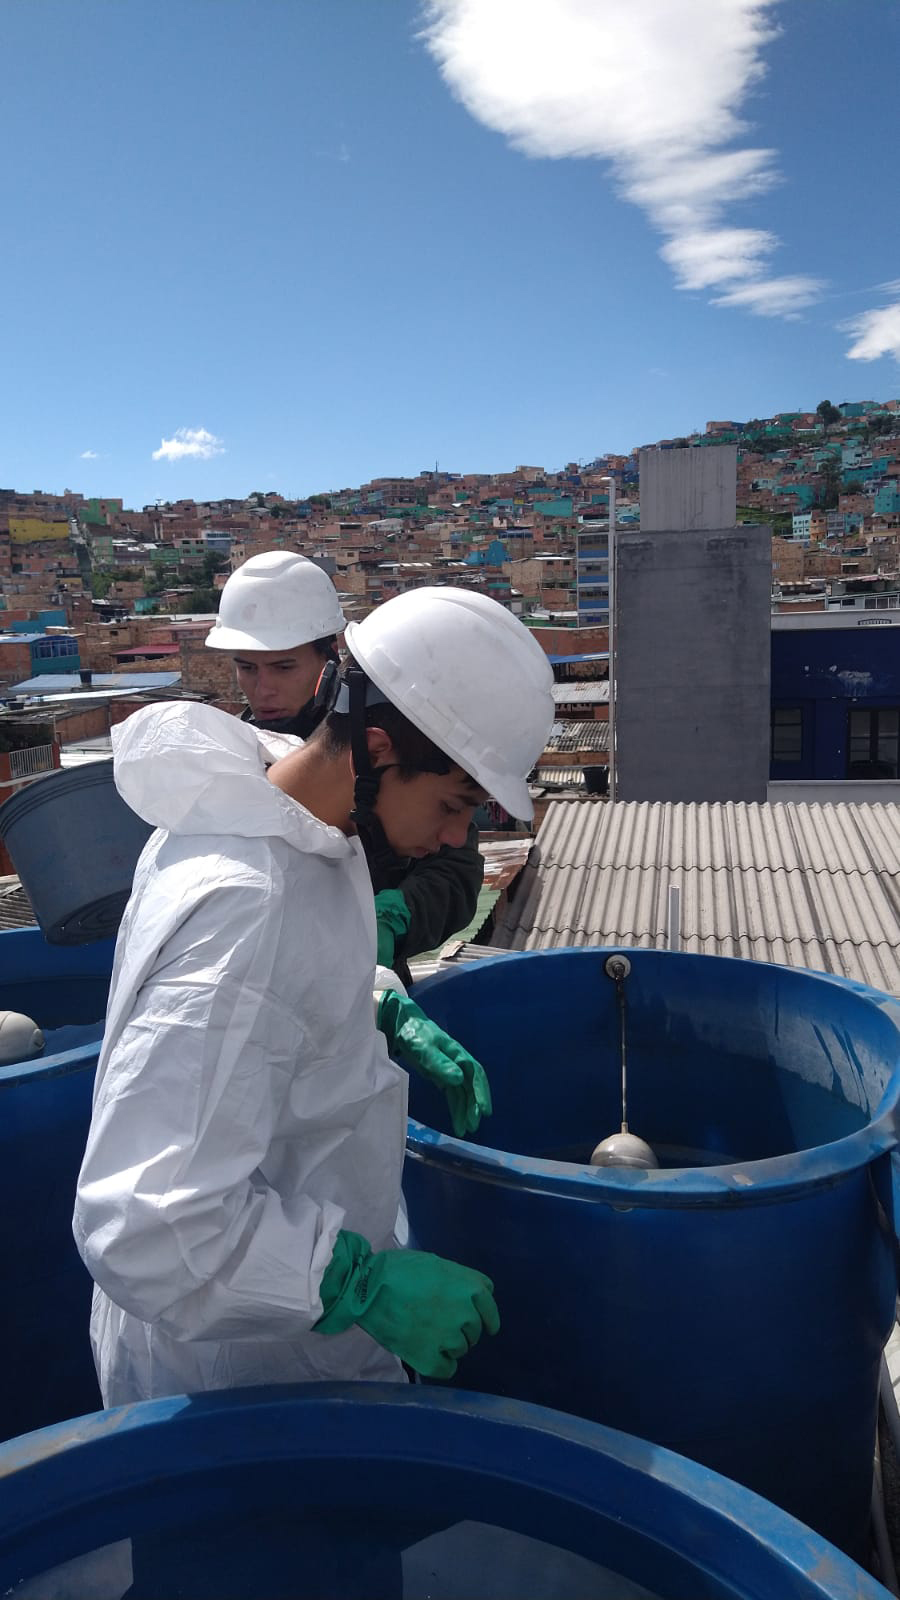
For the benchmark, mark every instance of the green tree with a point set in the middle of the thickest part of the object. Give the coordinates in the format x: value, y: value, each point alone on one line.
x: 200, y: 600
x: 212, y: 563
x: 828, y: 414
x: 853, y: 487
x: 830, y: 486
x: 100, y: 582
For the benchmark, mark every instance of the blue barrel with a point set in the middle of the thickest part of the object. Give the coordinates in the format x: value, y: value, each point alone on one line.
x: 75, y: 844
x: 734, y: 1304
x: 357, y: 1490
x: 46, y: 1367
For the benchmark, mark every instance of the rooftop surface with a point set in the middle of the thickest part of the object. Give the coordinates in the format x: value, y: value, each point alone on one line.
x: 55, y: 683
x: 566, y: 736
x: 581, y: 692
x: 799, y: 884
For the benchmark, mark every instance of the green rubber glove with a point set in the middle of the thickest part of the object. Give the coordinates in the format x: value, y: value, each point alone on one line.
x: 393, y: 918
x: 424, y: 1309
x: 418, y: 1042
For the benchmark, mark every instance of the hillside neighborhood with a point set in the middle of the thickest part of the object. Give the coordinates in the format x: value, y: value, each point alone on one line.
x: 87, y: 583
x: 103, y: 607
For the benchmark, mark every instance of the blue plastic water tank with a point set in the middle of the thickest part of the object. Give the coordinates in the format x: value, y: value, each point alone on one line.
x: 46, y: 1368
x: 734, y: 1311
x: 368, y: 1489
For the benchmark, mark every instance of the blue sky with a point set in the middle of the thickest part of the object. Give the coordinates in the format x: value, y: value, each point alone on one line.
x: 295, y: 244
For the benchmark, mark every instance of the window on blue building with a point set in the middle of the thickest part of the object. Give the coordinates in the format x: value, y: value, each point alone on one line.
x: 874, y: 743
x: 787, y: 733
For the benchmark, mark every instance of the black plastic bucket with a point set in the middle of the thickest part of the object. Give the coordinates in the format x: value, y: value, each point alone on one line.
x: 75, y: 844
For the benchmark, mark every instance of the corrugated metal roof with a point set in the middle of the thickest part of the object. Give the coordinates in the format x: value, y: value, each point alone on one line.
x: 804, y: 885
x: 579, y: 736
x: 587, y: 693
x: 487, y: 899
x: 79, y: 752
x: 15, y: 907
x: 556, y: 777
x: 53, y: 683
x: 504, y: 859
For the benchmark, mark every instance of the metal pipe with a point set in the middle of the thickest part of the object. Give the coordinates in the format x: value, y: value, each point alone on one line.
x: 622, y: 1149
x: 620, y: 998
x: 618, y: 968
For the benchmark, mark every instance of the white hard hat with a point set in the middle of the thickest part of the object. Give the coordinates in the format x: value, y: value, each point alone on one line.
x: 468, y: 675
x: 276, y: 601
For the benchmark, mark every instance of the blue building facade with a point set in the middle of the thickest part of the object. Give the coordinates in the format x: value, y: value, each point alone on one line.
x: 836, y: 697
x: 50, y: 652
x: 592, y: 576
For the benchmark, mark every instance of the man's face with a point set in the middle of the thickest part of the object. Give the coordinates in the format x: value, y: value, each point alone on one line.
x: 278, y: 683
x: 420, y: 814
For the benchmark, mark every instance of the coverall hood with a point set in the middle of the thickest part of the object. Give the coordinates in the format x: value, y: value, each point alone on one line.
x: 185, y: 767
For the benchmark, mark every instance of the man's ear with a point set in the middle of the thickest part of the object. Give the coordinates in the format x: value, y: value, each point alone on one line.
x: 381, y: 750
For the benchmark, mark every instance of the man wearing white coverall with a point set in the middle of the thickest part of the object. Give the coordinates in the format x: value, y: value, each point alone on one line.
x: 238, y: 1197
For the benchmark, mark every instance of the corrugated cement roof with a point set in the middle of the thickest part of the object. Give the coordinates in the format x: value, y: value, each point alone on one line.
x: 559, y: 777
x: 585, y: 693
x: 803, y: 885
x: 578, y: 736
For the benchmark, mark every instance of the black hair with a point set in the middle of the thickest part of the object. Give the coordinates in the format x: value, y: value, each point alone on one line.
x: 415, y: 751
x: 326, y: 647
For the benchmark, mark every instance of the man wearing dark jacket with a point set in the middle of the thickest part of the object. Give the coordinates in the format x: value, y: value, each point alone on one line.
x: 279, y: 619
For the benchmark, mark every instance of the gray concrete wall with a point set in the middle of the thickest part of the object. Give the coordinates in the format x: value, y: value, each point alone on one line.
x: 689, y: 488
x: 832, y: 792
x: 693, y: 664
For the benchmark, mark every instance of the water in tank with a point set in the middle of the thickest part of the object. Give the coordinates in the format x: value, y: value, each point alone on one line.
x: 731, y: 1304
x: 385, y: 1492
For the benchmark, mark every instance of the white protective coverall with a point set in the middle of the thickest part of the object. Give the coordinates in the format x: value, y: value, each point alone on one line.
x: 245, y: 1108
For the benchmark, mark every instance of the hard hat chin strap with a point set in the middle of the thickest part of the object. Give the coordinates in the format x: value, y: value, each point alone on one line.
x: 366, y: 777
x: 360, y: 692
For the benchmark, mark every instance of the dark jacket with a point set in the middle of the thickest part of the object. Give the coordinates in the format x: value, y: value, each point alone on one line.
x: 440, y: 890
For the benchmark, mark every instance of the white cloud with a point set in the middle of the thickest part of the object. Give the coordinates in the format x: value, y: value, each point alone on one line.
x: 877, y: 333
x: 716, y: 255
x: 193, y: 442
x: 773, y: 297
x: 89, y: 455
x: 652, y: 87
